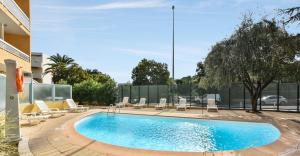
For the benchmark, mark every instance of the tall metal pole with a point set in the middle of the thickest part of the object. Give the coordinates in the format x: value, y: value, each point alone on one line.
x: 173, y: 66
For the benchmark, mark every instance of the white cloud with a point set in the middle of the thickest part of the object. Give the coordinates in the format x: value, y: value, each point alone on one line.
x: 128, y: 4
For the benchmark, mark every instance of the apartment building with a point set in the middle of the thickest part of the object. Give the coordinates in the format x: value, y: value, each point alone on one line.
x: 39, y: 63
x: 15, y: 34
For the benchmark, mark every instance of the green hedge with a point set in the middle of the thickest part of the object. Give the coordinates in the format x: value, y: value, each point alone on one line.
x: 91, y: 91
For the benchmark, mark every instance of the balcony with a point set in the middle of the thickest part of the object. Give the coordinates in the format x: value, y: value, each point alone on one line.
x: 36, y: 63
x: 14, y: 9
x: 11, y: 49
x: 37, y: 75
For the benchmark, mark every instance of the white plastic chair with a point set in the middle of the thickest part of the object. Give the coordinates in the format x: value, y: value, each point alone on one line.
x: 123, y: 103
x: 141, y: 104
x: 74, y: 107
x: 162, y: 104
x: 182, y: 104
x: 45, y: 110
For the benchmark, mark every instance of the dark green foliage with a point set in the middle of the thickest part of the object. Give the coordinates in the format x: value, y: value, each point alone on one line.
x: 256, y: 54
x: 200, y: 71
x: 292, y: 13
x: 76, y: 74
x: 184, y: 81
x: 59, y: 67
x: 150, y: 72
x: 98, y: 76
x: 89, y: 86
x: 91, y: 91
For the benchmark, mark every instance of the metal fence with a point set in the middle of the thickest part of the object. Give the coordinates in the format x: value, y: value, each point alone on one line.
x: 277, y: 96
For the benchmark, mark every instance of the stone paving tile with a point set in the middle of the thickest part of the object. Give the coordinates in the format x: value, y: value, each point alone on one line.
x: 70, y: 150
x: 47, y: 151
x: 50, y: 154
x: 46, y: 148
x: 46, y: 139
x: 85, y: 152
x: 65, y: 148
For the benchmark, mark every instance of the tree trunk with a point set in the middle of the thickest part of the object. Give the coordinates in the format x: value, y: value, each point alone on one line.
x: 254, y: 103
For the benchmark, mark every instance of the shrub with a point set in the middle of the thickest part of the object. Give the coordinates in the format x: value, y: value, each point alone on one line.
x: 85, y: 91
x: 90, y: 91
x: 106, y: 94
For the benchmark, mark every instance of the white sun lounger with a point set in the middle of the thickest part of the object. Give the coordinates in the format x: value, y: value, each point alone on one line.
x: 162, y: 104
x: 45, y: 110
x: 123, y: 103
x: 141, y: 104
x: 211, y: 105
x: 32, y: 118
x: 74, y: 107
x: 182, y: 104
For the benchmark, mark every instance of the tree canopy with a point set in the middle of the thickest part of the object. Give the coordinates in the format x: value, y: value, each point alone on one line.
x: 66, y: 71
x: 59, y: 66
x: 292, y: 13
x: 200, y: 72
x: 150, y: 72
x: 256, y: 54
x: 184, y: 80
x: 89, y: 85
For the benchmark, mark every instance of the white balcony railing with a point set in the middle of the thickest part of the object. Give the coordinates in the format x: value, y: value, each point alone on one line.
x: 13, y: 7
x: 11, y: 49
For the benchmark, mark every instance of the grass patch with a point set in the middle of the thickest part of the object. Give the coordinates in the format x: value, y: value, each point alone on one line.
x: 5, y: 148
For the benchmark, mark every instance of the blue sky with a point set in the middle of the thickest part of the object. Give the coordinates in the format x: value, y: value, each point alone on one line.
x: 114, y: 35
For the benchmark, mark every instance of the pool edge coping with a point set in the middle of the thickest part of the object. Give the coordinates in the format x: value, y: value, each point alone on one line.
x: 111, y: 149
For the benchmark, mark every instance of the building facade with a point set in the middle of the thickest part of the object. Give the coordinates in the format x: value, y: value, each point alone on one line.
x: 39, y: 63
x: 15, y: 34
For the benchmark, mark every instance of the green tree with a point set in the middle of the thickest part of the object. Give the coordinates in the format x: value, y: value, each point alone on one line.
x: 91, y: 91
x: 59, y: 66
x: 150, y: 72
x: 292, y: 13
x: 256, y: 54
x: 86, y: 91
x: 98, y: 76
x: 200, y: 72
x: 75, y: 74
x: 184, y: 80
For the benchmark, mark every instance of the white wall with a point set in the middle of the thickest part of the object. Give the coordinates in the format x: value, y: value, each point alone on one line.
x: 47, y: 77
x: 42, y: 60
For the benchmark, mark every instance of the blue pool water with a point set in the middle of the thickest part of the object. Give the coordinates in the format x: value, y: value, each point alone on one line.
x: 175, y: 134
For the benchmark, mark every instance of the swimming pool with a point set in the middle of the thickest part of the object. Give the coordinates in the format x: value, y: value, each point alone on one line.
x: 175, y: 134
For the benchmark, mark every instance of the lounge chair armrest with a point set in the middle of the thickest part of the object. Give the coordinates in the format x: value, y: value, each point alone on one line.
x: 28, y: 114
x: 80, y: 106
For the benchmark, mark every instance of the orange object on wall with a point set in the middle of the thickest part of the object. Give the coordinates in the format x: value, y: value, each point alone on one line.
x: 19, y: 80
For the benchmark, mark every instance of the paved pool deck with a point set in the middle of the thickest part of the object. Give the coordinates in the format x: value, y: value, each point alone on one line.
x: 57, y: 136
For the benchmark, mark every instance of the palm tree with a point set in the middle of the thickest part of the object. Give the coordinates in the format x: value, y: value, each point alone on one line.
x: 59, y: 66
